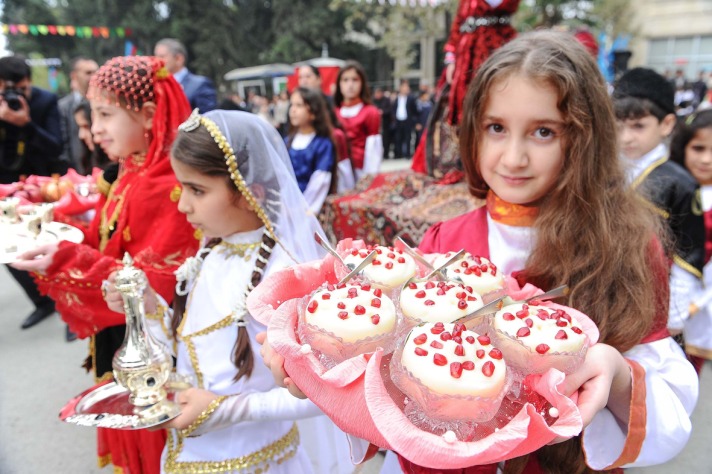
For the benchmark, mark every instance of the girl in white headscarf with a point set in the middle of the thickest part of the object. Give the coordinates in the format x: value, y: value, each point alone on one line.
x: 239, y: 189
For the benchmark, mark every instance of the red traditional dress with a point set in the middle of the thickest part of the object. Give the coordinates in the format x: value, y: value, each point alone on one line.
x: 138, y: 215
x: 479, y: 27
x: 362, y: 124
x: 664, y: 384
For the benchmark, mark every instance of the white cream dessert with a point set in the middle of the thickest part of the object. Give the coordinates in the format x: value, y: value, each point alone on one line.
x: 450, y: 360
x: 475, y: 271
x: 433, y: 301
x: 390, y: 267
x: 351, y: 312
x: 541, y: 329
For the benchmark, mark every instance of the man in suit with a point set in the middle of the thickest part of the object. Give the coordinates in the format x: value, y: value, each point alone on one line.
x: 405, y: 113
x: 199, y: 89
x: 75, y: 151
x: 30, y: 143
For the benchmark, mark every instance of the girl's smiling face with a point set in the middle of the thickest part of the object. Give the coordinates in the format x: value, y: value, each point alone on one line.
x: 698, y: 155
x: 521, y: 151
x: 210, y: 205
x: 120, y: 132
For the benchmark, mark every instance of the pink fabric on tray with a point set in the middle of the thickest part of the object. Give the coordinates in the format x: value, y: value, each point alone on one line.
x: 354, y: 394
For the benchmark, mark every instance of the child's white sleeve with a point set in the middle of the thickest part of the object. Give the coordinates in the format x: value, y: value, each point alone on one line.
x: 665, y: 390
x: 373, y: 155
x: 159, y: 323
x: 276, y: 405
x: 683, y: 286
x: 317, y: 189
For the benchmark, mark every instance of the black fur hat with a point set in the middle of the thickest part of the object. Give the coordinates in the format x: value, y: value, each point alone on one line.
x: 645, y: 83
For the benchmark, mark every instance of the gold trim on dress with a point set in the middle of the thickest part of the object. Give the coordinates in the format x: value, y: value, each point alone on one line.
x: 245, y: 251
x: 637, y: 181
x: 108, y: 224
x: 102, y: 185
x: 698, y: 351
x: 686, y: 266
x: 186, y: 432
x: 257, y: 462
x: 190, y: 346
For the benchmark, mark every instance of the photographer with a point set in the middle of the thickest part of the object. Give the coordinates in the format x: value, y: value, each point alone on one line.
x: 30, y: 133
x: 30, y: 143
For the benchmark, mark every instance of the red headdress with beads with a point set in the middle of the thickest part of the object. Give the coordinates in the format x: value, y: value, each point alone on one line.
x: 132, y: 81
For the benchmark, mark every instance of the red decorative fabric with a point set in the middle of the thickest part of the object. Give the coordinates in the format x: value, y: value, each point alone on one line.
x: 366, y: 123
x: 471, y: 49
x: 708, y: 234
x: 150, y: 228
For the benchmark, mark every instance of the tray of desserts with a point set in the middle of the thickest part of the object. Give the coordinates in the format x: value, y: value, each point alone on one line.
x: 24, y: 229
x: 438, y: 357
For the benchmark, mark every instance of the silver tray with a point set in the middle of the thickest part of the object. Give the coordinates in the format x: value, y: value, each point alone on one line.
x: 108, y: 406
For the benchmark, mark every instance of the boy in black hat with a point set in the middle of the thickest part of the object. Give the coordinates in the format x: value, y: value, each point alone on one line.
x: 644, y: 106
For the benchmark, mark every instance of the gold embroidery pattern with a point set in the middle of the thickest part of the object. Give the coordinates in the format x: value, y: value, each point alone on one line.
x: 245, y: 251
x: 686, y: 266
x: 255, y: 463
x: 188, y: 340
x: 127, y: 234
x: 108, y: 224
x: 697, y: 203
x: 647, y: 171
x: 203, y: 416
x: 158, y: 315
x: 175, y: 193
x: 102, y: 185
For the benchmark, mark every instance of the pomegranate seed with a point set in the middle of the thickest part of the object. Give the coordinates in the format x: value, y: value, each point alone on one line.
x: 469, y: 289
x: 420, y: 339
x: 401, y: 260
x: 341, y: 305
x: 326, y: 296
x: 457, y: 330
x: 379, y: 251
x: 488, y: 368
x: 429, y: 285
x: 523, y: 313
x: 441, y: 292
x: 330, y: 287
x: 457, y: 339
x: 459, y: 350
x: 464, y: 264
x: 439, y: 359
x: 477, y: 259
x: 524, y: 306
x: 542, y: 348
x: 461, y: 295
x: 436, y: 344
x: 508, y: 317
x: 457, y: 270
x: 359, y: 309
x: 343, y: 315
x: 470, y: 339
x: 429, y: 303
x: 529, y: 322
x: 420, y: 294
x: 468, y: 271
x: 523, y: 332
x: 495, y: 354
x: 561, y: 335
x: 471, y: 298
x: 391, y: 255
x: 412, y: 286
x: 420, y: 352
x: 480, y: 353
x: 437, y: 330
x: 477, y: 271
x: 462, y: 304
x: 468, y: 365
x: 375, y: 262
x: 363, y: 254
x: 377, y: 292
x: 561, y: 323
x: 576, y: 330
x: 542, y: 314
x: 484, y: 339
x: 456, y: 369
x: 353, y: 292
x: 341, y: 286
x: 375, y: 319
x: 366, y: 287
x: 566, y: 316
x: 376, y: 303
x: 389, y: 265
x: 313, y: 305
x: 446, y: 336
x: 354, y: 252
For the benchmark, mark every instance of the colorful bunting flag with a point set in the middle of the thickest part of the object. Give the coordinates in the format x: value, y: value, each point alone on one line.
x: 66, y: 30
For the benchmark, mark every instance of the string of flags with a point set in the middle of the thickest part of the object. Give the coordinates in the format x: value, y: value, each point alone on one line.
x: 66, y: 30
x: 412, y: 3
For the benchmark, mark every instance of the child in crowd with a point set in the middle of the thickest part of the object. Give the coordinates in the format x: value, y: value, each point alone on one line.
x: 359, y: 118
x: 691, y: 147
x: 239, y: 190
x: 644, y: 108
x: 555, y: 193
x: 311, y: 147
x: 137, y: 107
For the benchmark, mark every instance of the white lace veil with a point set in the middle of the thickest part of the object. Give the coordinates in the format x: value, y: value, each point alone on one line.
x: 264, y: 167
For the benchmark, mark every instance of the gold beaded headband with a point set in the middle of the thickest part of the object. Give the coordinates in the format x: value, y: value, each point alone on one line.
x: 196, y: 120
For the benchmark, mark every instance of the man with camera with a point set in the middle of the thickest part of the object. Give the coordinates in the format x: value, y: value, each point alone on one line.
x: 30, y: 143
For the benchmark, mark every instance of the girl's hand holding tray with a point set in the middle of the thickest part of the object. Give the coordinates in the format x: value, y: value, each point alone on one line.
x: 359, y: 395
